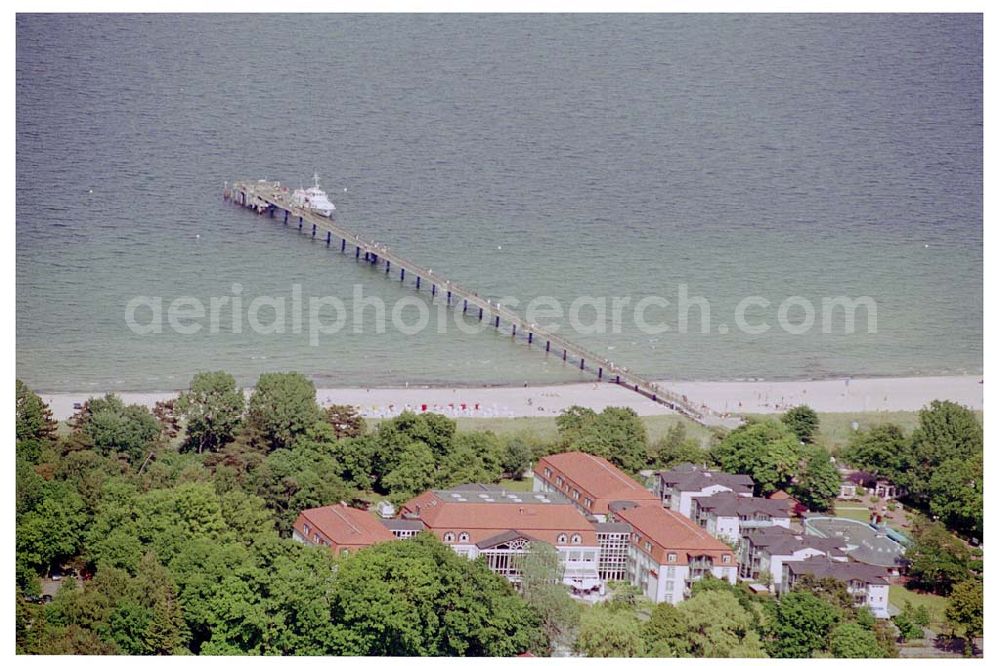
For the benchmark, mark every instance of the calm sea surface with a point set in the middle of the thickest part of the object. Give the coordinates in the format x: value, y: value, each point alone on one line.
x: 813, y: 156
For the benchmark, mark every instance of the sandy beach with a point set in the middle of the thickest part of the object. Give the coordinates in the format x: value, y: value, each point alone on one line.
x: 833, y: 395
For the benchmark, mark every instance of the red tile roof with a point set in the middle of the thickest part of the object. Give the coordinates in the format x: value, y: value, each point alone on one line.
x: 482, y: 519
x: 594, y: 477
x: 341, y: 527
x: 670, y: 532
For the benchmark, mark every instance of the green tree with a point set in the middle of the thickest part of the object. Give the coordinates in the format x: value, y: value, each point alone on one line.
x: 395, y: 434
x: 418, y: 597
x: 911, y: 621
x: 474, y: 457
x: 605, y: 632
x: 281, y: 409
x: 292, y: 479
x: 946, y: 431
x: 113, y: 427
x: 803, y: 421
x: 345, y: 420
x: 883, y: 450
x: 359, y: 459
x: 817, y: 483
x: 617, y: 433
x: 666, y: 632
x: 965, y: 612
x: 938, y: 560
x: 675, y: 448
x: 802, y: 625
x: 543, y: 589
x: 719, y: 626
x: 765, y: 450
x: 956, y: 491
x: 516, y: 457
x: 50, y: 532
x: 213, y: 407
x: 166, y: 519
x: 852, y: 641
x: 35, y: 425
x: 414, y: 474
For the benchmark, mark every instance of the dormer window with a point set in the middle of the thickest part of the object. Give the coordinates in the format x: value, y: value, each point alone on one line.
x: 463, y: 537
x: 305, y: 529
x: 577, y: 538
x: 725, y: 559
x: 449, y: 537
x: 561, y: 538
x: 548, y: 472
x: 672, y: 557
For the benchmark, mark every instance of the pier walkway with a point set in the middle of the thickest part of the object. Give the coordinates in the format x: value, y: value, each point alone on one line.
x: 271, y: 198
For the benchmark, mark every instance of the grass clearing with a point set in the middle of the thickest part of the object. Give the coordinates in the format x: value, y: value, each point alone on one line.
x: 935, y: 604
x: 854, y: 512
x: 523, y: 485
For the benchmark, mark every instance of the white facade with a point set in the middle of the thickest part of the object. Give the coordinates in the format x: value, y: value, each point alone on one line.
x: 669, y: 583
x: 874, y: 595
x: 728, y: 527
x: 775, y: 564
x: 579, y: 562
x: 680, y: 500
x: 877, y: 600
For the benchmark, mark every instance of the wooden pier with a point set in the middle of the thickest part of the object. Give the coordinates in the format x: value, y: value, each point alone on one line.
x: 272, y: 199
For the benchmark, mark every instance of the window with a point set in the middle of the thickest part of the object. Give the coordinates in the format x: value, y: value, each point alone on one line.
x: 577, y: 538
x: 576, y: 494
x: 345, y: 551
x: 548, y: 472
x: 315, y: 538
x: 305, y: 529
x: 587, y: 503
x: 561, y: 538
x: 725, y: 559
x: 648, y: 546
x: 449, y: 537
x: 672, y: 557
x: 463, y: 537
x: 559, y: 481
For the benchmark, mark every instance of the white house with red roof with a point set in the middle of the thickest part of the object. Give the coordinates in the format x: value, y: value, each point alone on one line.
x: 669, y: 552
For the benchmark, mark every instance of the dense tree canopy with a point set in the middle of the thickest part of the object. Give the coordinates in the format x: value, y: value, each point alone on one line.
x: 617, y: 433
x: 111, y: 426
x: 802, y: 625
x: 418, y: 597
x: 765, y: 450
x: 803, y: 421
x: 938, y: 560
x: 35, y: 426
x: 213, y: 408
x: 186, y: 537
x: 964, y: 612
x: 281, y: 409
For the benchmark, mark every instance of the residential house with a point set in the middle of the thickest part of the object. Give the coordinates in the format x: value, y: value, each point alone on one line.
x: 668, y: 552
x: 763, y: 552
x: 867, y: 584
x: 678, y: 486
x: 727, y: 515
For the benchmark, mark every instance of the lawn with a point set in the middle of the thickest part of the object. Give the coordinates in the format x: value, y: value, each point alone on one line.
x: 524, y: 485
x: 935, y: 604
x: 855, y: 512
x: 544, y: 427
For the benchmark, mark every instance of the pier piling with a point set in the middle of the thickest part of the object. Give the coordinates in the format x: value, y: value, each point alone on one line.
x: 262, y: 196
